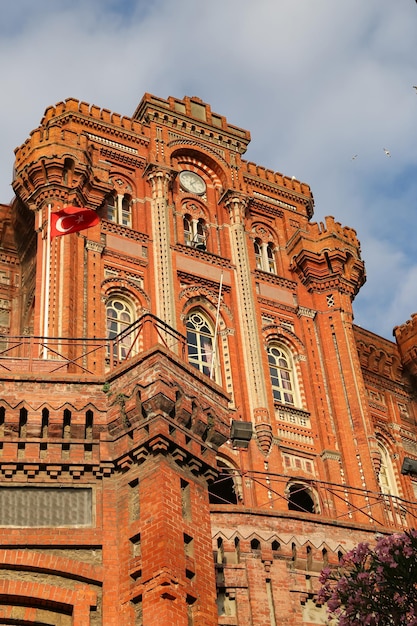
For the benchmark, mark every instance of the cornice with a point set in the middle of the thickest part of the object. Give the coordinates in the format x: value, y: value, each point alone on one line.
x: 9, y: 259
x: 268, y: 277
x: 205, y: 255
x: 384, y: 383
x: 112, y: 254
x: 192, y: 279
x: 124, y: 231
x: 105, y: 127
x: 122, y: 158
x: 278, y: 190
x: 257, y: 207
x: 277, y: 305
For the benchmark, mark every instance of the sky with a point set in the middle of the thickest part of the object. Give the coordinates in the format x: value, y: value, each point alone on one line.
x: 325, y: 88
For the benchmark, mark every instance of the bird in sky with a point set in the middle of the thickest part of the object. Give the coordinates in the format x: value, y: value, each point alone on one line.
x: 415, y: 86
x: 387, y: 152
x: 355, y: 155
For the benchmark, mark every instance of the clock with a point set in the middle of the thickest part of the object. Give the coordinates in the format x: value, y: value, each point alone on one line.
x: 190, y: 181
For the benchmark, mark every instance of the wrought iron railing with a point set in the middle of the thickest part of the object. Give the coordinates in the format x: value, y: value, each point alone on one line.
x: 87, y: 355
x: 330, y: 501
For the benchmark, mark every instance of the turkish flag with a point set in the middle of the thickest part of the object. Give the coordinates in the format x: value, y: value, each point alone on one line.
x: 71, y: 220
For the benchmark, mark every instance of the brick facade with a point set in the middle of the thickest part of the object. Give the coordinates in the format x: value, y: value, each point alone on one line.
x: 205, y: 303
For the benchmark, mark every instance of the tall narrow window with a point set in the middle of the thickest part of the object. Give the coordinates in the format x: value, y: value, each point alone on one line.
x: 200, y: 337
x: 264, y: 256
x: 125, y: 216
x: 111, y: 209
x: 271, y: 258
x: 118, y: 209
x: 194, y: 232
x: 119, y: 315
x: 45, y: 422
x: 386, y: 476
x: 257, y: 245
x: 281, y: 373
x: 66, y: 424
x: 23, y: 421
x: 188, y: 233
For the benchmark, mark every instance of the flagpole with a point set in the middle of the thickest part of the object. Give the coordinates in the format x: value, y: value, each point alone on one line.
x: 47, y: 283
x: 216, y: 328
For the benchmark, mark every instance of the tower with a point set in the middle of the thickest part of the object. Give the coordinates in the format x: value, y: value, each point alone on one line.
x: 191, y: 425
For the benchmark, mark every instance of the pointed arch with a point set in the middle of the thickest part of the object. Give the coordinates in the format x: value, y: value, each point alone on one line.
x: 282, y: 375
x: 202, y: 345
x: 205, y: 300
x: 302, y: 497
x: 284, y: 353
x: 194, y: 225
x: 121, y: 313
x: 227, y: 488
x: 386, y: 475
x: 265, y: 244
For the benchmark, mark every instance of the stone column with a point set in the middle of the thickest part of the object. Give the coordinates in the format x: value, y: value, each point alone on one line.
x: 160, y: 179
x: 255, y: 375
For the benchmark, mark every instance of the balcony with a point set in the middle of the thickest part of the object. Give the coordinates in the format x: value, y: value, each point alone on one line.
x: 95, y: 356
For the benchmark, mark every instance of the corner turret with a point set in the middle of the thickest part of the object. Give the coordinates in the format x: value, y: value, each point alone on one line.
x: 327, y: 257
x: 406, y: 338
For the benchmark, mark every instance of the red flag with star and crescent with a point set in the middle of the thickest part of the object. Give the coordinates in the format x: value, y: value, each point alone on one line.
x: 71, y: 220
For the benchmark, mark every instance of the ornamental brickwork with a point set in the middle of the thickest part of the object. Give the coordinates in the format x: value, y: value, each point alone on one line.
x: 191, y: 425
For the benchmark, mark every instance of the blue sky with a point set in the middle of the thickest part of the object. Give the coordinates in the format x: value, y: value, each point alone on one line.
x: 315, y: 83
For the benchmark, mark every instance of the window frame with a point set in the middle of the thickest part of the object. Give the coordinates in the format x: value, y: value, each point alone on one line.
x: 283, y: 379
x: 194, y: 235
x: 198, y: 356
x: 124, y: 348
x: 119, y: 209
x: 386, y: 476
x: 265, y: 260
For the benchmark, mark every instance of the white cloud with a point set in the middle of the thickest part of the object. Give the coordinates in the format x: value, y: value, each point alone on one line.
x: 314, y: 82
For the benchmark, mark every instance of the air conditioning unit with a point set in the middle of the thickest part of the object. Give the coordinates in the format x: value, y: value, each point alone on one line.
x: 409, y: 466
x: 240, y: 434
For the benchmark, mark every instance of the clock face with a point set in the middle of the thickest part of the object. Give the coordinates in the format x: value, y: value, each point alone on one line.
x: 190, y: 181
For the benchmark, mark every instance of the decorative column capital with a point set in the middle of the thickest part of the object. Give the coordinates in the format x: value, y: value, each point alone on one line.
x: 94, y: 246
x: 236, y: 203
x: 156, y: 173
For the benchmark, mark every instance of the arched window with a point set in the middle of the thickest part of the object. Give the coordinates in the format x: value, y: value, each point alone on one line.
x: 188, y: 233
x: 258, y: 253
x: 301, y: 498
x: 386, y: 477
x: 118, y: 209
x: 264, y: 256
x: 119, y: 316
x: 194, y: 232
x: 223, y: 489
x: 270, y: 255
x: 281, y: 373
x: 200, y: 343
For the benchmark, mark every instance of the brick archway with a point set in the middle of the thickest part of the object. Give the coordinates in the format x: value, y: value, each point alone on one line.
x: 34, y: 597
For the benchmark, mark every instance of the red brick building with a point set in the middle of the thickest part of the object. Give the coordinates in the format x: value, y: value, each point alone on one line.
x: 191, y: 425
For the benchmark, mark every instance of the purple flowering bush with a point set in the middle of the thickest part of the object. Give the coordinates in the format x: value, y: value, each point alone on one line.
x: 374, y: 587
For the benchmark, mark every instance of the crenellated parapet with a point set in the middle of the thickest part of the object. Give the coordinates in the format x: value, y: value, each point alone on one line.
x: 67, y: 172
x: 92, y: 112
x: 327, y: 257
x: 378, y: 357
x: 272, y: 188
x: 61, y: 159
x: 406, y: 338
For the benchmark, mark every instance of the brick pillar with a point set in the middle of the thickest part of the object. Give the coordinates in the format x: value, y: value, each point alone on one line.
x: 177, y: 565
